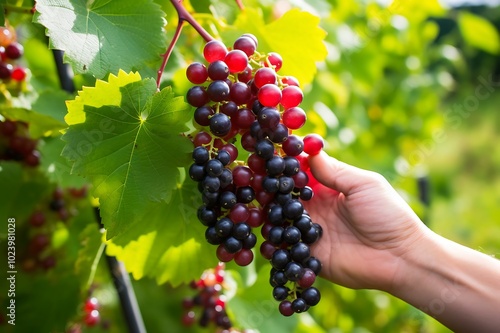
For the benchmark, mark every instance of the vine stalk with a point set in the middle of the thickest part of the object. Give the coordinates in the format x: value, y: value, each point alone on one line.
x: 184, y: 16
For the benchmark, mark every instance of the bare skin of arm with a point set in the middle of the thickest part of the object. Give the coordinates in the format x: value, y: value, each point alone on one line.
x: 372, y: 239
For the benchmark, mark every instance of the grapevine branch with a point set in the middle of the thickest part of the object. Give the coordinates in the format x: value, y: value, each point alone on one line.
x: 240, y: 4
x: 184, y: 16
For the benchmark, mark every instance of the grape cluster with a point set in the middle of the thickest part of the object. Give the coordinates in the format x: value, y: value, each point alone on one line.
x: 89, y: 316
x: 43, y: 221
x: 10, y: 52
x: 241, y: 100
x: 209, y: 299
x: 16, y: 145
x: 92, y: 317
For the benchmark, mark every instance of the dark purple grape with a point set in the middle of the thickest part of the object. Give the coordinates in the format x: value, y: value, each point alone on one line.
x: 196, y: 96
x: 278, y: 279
x: 218, y: 70
x: 233, y: 245
x: 269, y: 118
x: 227, y: 199
x: 245, y: 194
x: 264, y: 149
x: 224, y: 227
x: 250, y: 241
x: 207, y: 216
x: 299, y: 305
x: 280, y: 293
x: 226, y: 178
x: 294, y: 271
x: 276, y: 235
x: 291, y: 235
x: 200, y: 155
x: 293, y: 209
x: 306, y: 193
x: 240, y: 93
x: 279, y: 134
x: 230, y: 109
x: 275, y: 215
x: 286, y: 185
x: 214, y: 168
x: 314, y: 264
x: 311, y: 296
x: 212, y: 237
x: 202, y: 115
x: 275, y: 166
x: 293, y: 146
x: 220, y: 125
x: 211, y: 184
x: 292, y: 166
x: 241, y: 231
x: 218, y: 91
x: 5, y: 70
x: 300, y: 252
x: 224, y: 157
x: 280, y: 259
x: 14, y: 51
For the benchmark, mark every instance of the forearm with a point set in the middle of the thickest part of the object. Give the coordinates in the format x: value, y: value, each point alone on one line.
x: 458, y: 286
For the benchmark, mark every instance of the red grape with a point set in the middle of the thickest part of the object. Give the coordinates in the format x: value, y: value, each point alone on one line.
x: 196, y: 73
x: 269, y: 95
x: 236, y: 60
x: 214, y: 50
x: 313, y: 143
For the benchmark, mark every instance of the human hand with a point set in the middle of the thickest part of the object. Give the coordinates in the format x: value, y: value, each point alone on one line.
x: 367, y: 227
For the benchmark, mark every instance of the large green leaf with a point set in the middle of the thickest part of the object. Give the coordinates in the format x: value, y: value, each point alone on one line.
x: 131, y: 152
x: 56, y: 167
x: 170, y: 244
x: 103, y: 36
x: 479, y: 32
x: 296, y: 36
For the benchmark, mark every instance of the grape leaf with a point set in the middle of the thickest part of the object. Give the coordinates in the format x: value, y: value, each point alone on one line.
x: 170, y: 244
x: 102, y: 36
x: 296, y: 36
x: 130, y: 152
x: 479, y: 32
x: 56, y: 167
x: 104, y: 93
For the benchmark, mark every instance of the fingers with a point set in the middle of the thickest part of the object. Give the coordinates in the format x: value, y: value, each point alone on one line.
x: 338, y: 175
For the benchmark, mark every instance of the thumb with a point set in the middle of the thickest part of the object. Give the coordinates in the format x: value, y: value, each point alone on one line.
x: 338, y: 175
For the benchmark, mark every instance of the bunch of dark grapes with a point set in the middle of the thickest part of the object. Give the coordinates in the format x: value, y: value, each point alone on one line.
x: 60, y: 207
x: 10, y: 52
x: 241, y: 99
x: 209, y: 301
x: 16, y: 145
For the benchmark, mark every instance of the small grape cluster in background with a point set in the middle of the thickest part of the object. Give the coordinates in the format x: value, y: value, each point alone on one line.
x: 208, y: 306
x: 10, y: 52
x: 43, y: 222
x: 16, y: 144
x: 242, y: 101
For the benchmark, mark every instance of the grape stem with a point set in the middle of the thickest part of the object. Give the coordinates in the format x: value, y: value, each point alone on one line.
x: 240, y: 4
x: 18, y: 9
x: 184, y: 16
